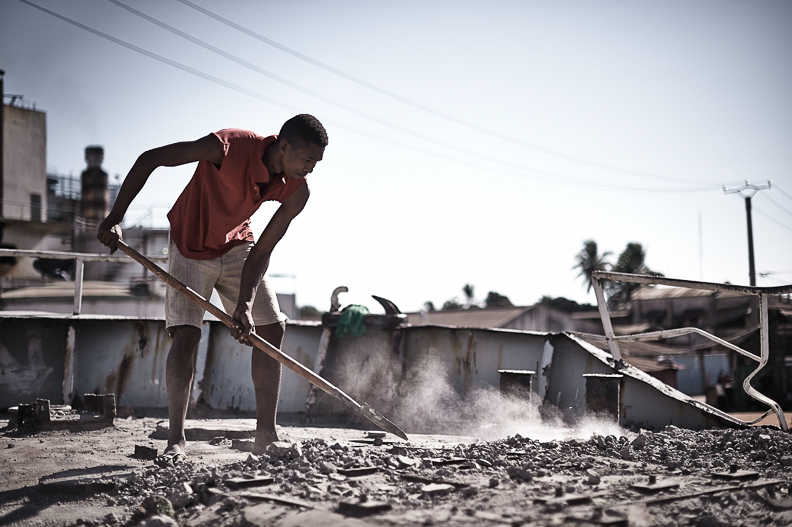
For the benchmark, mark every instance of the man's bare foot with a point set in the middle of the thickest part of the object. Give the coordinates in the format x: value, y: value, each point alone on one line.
x: 263, y: 440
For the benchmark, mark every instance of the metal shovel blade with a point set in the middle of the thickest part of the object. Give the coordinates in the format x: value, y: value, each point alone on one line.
x: 375, y: 417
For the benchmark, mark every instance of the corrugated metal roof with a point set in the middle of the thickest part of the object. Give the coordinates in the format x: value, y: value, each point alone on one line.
x: 656, y: 292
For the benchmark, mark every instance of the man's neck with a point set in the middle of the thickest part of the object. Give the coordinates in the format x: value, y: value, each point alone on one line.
x: 273, y: 159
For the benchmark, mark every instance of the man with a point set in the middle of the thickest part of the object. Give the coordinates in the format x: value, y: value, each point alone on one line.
x: 212, y: 246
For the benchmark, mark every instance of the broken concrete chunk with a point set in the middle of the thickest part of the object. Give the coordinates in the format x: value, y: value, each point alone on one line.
x: 436, y: 489
x: 362, y: 508
x: 145, y: 452
x: 284, y: 449
x: 252, y: 460
x: 325, y: 467
x: 159, y: 520
x: 592, y: 478
x: 242, y: 483
x: 639, y: 442
x: 245, y: 445
x: 406, y: 462
x: 519, y: 474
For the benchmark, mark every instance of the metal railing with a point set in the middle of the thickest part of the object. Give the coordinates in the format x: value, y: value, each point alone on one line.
x: 761, y: 292
x: 79, y: 268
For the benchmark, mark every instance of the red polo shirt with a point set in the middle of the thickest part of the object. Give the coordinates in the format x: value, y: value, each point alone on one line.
x: 212, y: 214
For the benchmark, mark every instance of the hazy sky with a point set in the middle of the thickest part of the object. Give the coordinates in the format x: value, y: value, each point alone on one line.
x: 518, y: 130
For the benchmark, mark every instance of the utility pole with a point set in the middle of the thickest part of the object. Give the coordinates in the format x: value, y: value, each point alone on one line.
x: 747, y: 191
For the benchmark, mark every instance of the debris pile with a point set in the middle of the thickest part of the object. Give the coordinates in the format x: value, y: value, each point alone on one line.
x: 672, y: 477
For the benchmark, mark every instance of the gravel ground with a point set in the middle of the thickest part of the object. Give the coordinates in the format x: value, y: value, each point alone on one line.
x: 709, y: 478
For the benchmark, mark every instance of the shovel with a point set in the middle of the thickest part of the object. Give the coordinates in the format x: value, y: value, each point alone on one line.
x: 367, y: 411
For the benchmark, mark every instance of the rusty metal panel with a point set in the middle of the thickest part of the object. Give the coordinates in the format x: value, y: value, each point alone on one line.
x: 32, y: 352
x: 227, y: 379
x: 125, y: 357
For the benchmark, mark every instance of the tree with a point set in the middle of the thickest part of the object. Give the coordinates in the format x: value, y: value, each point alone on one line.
x: 497, y: 300
x: 429, y: 306
x: 309, y: 312
x: 564, y: 304
x: 468, y: 290
x: 589, y: 260
x: 632, y: 261
x: 451, y: 305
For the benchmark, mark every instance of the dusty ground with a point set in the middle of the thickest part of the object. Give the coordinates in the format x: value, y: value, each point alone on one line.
x: 92, y: 478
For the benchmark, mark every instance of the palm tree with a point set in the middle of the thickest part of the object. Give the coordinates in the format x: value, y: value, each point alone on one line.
x: 632, y: 261
x: 468, y: 290
x: 589, y: 260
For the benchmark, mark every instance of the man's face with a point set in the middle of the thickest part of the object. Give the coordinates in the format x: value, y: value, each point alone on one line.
x: 299, y: 159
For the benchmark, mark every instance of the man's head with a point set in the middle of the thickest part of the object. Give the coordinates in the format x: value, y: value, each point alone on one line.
x: 302, y: 140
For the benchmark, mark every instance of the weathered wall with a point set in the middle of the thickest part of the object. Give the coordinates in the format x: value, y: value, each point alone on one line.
x: 24, y: 162
x: 31, y: 359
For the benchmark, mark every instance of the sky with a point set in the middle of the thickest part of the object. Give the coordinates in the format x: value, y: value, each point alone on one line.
x: 471, y: 142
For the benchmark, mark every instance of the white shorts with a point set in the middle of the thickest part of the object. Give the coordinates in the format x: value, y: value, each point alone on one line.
x: 224, y: 274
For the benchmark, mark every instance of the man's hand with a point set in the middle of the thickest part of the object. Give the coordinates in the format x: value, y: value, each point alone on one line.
x: 244, y: 326
x: 109, y: 233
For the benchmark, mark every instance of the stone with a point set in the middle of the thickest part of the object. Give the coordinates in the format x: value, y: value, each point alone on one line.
x: 519, y: 474
x: 592, y: 478
x: 159, y: 520
x: 436, y: 489
x: 325, y: 467
x: 639, y: 442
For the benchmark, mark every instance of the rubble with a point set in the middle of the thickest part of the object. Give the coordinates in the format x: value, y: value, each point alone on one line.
x: 671, y: 477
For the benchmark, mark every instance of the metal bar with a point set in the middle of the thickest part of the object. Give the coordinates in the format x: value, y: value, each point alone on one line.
x: 79, y: 267
x: 606, y: 322
x: 63, y: 255
x: 670, y: 333
x: 765, y: 347
x: 762, y: 292
x: 690, y: 284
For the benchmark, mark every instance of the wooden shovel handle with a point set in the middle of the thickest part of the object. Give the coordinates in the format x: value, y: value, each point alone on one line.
x: 257, y: 341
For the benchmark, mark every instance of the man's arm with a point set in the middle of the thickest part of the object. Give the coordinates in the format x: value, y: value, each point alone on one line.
x: 208, y: 148
x: 258, y: 260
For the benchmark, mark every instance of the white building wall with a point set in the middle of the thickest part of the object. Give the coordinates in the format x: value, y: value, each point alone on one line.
x: 24, y: 162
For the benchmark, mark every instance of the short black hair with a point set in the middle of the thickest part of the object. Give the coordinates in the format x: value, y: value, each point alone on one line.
x: 305, y: 128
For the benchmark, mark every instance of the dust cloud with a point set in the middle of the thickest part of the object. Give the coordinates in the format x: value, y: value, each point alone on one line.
x: 425, y: 401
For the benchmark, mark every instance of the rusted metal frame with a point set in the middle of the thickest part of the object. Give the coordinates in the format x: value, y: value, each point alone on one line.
x: 690, y: 284
x: 762, y: 292
x: 606, y: 322
x: 670, y: 333
x: 764, y: 343
x: 79, y: 266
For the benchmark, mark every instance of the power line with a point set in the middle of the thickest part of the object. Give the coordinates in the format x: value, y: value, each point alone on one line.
x: 774, y: 202
x: 782, y: 192
x: 437, y: 113
x: 346, y: 107
x: 766, y: 215
x: 554, y: 176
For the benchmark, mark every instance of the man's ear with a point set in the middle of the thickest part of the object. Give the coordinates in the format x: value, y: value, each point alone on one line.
x: 283, y: 145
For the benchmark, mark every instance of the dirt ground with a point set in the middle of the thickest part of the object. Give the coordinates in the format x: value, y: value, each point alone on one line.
x: 327, y: 476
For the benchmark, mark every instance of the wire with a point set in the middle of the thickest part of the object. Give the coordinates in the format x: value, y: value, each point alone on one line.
x: 436, y: 113
x: 774, y: 202
x: 553, y: 175
x: 775, y: 186
x: 763, y: 213
x: 359, y: 113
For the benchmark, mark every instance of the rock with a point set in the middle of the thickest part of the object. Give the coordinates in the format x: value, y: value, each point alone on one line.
x: 110, y: 518
x: 639, y: 442
x: 494, y: 482
x: 786, y: 461
x: 406, y: 462
x: 592, y: 478
x: 519, y: 474
x: 326, y: 467
x: 155, y: 505
x: 252, y: 460
x: 159, y: 520
x: 470, y: 491
x: 626, y: 453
